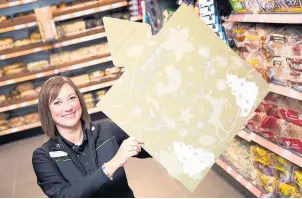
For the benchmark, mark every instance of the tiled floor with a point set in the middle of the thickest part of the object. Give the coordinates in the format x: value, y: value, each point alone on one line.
x: 146, y: 177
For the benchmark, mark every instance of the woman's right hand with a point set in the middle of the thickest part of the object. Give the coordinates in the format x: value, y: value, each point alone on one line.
x: 129, y: 148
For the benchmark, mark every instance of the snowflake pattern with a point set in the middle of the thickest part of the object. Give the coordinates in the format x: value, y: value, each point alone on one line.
x: 221, y: 61
x: 137, y: 111
x: 237, y: 61
x: 221, y: 85
x: 183, y: 133
x: 201, y: 125
x: 204, y: 52
x: 185, y: 115
x: 182, y: 46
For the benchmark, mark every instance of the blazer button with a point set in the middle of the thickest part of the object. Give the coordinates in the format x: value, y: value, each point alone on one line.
x: 58, y: 145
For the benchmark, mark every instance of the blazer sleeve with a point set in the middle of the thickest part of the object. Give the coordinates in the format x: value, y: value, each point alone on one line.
x: 54, y: 185
x: 121, y: 136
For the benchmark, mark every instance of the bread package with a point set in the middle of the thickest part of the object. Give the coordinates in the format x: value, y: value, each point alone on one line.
x: 29, y: 94
x: 80, y: 80
x: 16, y: 122
x: 112, y: 70
x: 96, y: 76
x: 25, y: 87
x: 55, y: 59
x: 291, y: 136
x: 14, y: 68
x: 22, y: 42
x: 65, y: 57
x: 6, y: 43
x: 35, y: 37
x: 37, y: 66
x: 3, y: 18
x: 2, y: 99
x: 31, y: 118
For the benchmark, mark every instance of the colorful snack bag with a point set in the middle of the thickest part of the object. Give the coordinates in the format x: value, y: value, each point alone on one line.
x: 284, y: 167
x: 254, y: 124
x: 291, y: 136
x: 288, y: 191
x: 260, y: 155
x: 298, y: 177
x: 270, y: 128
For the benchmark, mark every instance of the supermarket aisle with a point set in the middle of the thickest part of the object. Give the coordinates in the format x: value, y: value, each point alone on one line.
x: 18, y: 180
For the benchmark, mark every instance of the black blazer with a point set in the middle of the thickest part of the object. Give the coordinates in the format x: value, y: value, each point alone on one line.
x: 60, y: 175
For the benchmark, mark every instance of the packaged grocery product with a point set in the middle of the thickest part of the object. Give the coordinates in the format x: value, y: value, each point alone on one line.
x: 2, y: 98
x: 254, y: 124
x: 270, y: 128
x: 298, y: 177
x: 289, y: 6
x: 31, y: 118
x: 239, y: 6
x: 291, y: 136
x: 260, y: 155
x: 284, y: 167
x: 25, y: 87
x: 37, y: 66
x: 288, y: 191
x: 6, y: 43
x: 268, y: 184
x: 268, y: 5
x: 16, y: 122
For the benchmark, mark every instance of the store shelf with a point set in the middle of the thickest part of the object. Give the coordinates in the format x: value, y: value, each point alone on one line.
x: 18, y: 23
x: 97, y: 86
x: 107, y: 82
x: 239, y: 178
x: 90, y: 8
x: 21, y: 128
x: 4, y: 81
x: 16, y: 3
x: 88, y: 35
x: 294, y: 158
x: 18, y: 105
x: 286, y: 18
x: 282, y: 90
x: 94, y: 110
x: 38, y: 124
x: 136, y: 18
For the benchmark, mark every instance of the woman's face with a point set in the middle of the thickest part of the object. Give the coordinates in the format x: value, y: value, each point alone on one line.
x: 66, y: 109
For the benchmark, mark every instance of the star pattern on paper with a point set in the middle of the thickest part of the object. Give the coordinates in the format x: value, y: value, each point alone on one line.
x: 185, y: 115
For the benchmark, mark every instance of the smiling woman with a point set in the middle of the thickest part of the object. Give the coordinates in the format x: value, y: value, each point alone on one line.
x: 80, y: 159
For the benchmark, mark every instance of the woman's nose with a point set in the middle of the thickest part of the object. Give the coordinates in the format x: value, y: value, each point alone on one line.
x: 68, y: 107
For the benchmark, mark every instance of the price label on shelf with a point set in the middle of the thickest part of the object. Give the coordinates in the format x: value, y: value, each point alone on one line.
x: 18, y: 27
x: 28, y: 1
x: 10, y: 81
x: 14, y: 130
x: 14, y: 3
x: 239, y: 178
x: 12, y: 107
x: 39, y: 75
x: 2, y: 57
x: 249, y: 186
x: 23, y: 104
x: 64, y: 17
x: 286, y: 154
x: 88, y: 12
x: 252, y: 136
x: 117, y: 5
x: 37, y: 50
x: 103, y: 8
x: 77, y: 14
x: 56, y: 71
x: 31, y: 24
x: 229, y: 169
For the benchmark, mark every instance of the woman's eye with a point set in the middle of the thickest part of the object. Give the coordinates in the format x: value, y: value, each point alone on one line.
x: 72, y: 98
x: 57, y: 103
